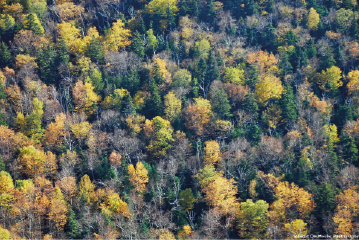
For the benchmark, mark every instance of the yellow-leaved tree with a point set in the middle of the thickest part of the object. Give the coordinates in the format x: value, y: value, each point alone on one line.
x: 313, y: 19
x: 138, y: 176
x: 211, y: 152
x: 197, y: 115
x: 353, y: 85
x: 117, y: 37
x: 85, y: 98
x: 269, y: 87
x: 173, y: 106
x: 86, y: 188
x: 329, y: 79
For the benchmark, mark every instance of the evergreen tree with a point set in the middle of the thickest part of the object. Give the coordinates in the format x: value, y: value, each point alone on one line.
x: 2, y: 92
x: 2, y: 165
x: 183, y: 7
x: 285, y: 64
x: 289, y: 111
x: 220, y: 104
x: 269, y: 38
x: 171, y: 18
x: 62, y: 53
x: 33, y: 24
x: 254, y: 134
x: 129, y: 106
x: 327, y: 60
x: 220, y: 59
x: 131, y: 81
x: 137, y: 45
x: 95, y: 51
x: 350, y: 149
x: 46, y: 63
x: 5, y: 56
x: 325, y: 197
x: 311, y: 49
x: 213, y: 70
x: 153, y: 105
x: 252, y: 76
x: 250, y: 105
x: 72, y: 226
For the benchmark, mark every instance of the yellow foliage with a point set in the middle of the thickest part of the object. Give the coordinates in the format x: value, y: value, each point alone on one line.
x: 6, y: 22
x: 297, y: 227
x: 269, y: 87
x: 86, y: 188
x: 117, y: 37
x: 203, y: 46
x: 134, y: 123
x: 4, y: 234
x: 85, y: 98
x: 223, y: 125
x: 211, y: 152
x: 138, y: 176
x: 353, y: 85
x: 263, y: 61
x: 234, y: 75
x: 313, y: 19
x: 330, y: 79
x: 81, y: 130
x: 221, y: 194
x: 162, y: 234
x: 55, y: 130
x: 6, y: 183
x: 159, y: 7
x: 115, y: 159
x: 207, y: 175
x: 35, y: 162
x: 173, y: 106
x: 72, y: 37
x: 22, y: 60
x: 110, y: 203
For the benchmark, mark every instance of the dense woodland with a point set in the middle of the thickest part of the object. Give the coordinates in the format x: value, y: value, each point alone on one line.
x: 178, y: 119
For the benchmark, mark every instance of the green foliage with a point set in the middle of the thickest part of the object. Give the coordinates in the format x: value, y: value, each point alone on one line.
x: 95, y: 51
x: 5, y: 56
x: 2, y: 165
x: 137, y: 45
x: 72, y: 226
x: 46, y: 63
x: 186, y: 199
x: 220, y: 104
x: 289, y: 108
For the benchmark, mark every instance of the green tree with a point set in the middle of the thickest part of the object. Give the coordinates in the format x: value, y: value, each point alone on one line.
x: 2, y: 165
x: 5, y: 56
x: 250, y: 105
x: 254, y: 134
x: 252, y: 76
x: 186, y: 199
x: 325, y: 197
x: 220, y: 104
x: 252, y: 219
x: 95, y: 51
x: 72, y: 226
x: 213, y: 70
x: 137, y: 45
x: 32, y: 23
x: 131, y: 81
x: 153, y: 105
x: 289, y: 110
x: 46, y: 63
x: 62, y: 53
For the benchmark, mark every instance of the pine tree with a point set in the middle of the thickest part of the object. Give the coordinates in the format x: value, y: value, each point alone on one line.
x: 170, y: 18
x: 2, y: 92
x: 250, y: 105
x: 213, y: 70
x: 153, y: 106
x: 350, y: 149
x: 327, y: 60
x: 5, y: 56
x: 2, y: 165
x: 46, y: 63
x: 254, y: 134
x: 285, y: 64
x: 95, y: 51
x: 137, y: 45
x: 220, y: 104
x: 129, y: 106
x: 72, y: 226
x: 32, y: 23
x: 183, y: 7
x: 311, y: 49
x: 131, y: 81
x: 269, y: 38
x: 220, y: 59
x: 252, y: 76
x: 289, y: 111
x: 62, y: 53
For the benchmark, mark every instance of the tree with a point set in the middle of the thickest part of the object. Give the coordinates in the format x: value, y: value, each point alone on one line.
x: 252, y: 219
x: 46, y: 63
x: 250, y: 105
x: 297, y: 227
x: 313, y: 19
x: 35, y: 162
x: 72, y: 226
x: 6, y: 182
x: 207, y: 175
x: 221, y: 194
x: 4, y: 233
x: 211, y: 152
x: 31, y: 124
x: 329, y: 80
x: 213, y: 70
x: 269, y: 87
x: 186, y: 199
x: 31, y: 22
x: 159, y: 131
x: 138, y: 176
x: 173, y: 106
x: 117, y: 37
x: 5, y: 56
x: 198, y: 115
x: 234, y: 75
x: 95, y: 51
x: 85, y: 98
x: 137, y: 45
x: 289, y: 108
x: 87, y: 188
x: 220, y: 104
x: 353, y: 85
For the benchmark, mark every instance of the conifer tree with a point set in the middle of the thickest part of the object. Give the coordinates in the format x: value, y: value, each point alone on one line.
x: 250, y: 105
x: 212, y: 70
x: 62, y: 53
x: 46, y: 63
x: 5, y: 56
x: 137, y: 45
x: 72, y: 226
x: 95, y: 51
x: 289, y: 111
x: 131, y: 81
x: 2, y: 165
x: 33, y: 23
x: 220, y: 104
x: 252, y: 76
